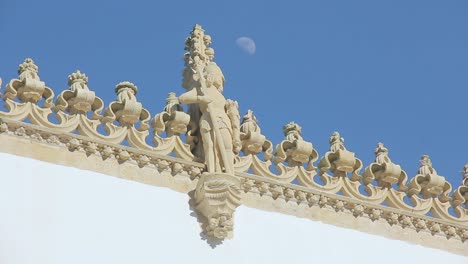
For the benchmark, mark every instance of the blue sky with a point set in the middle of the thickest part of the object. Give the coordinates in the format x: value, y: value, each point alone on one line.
x: 390, y: 71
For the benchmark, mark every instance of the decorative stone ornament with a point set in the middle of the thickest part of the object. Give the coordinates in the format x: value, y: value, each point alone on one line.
x: 217, y: 196
x: 339, y: 160
x: 294, y: 150
x: 215, y: 125
x: 428, y: 183
x: 253, y: 142
x: 79, y: 99
x: 384, y: 171
x: 29, y: 88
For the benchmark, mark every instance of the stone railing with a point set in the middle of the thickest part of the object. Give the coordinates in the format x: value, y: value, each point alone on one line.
x: 291, y: 172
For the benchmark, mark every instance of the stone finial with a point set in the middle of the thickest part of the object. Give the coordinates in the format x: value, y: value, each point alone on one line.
x: 294, y: 149
x: 253, y: 142
x: 384, y: 171
x: 126, y: 85
x: 292, y: 129
x: 339, y: 160
x: 29, y: 88
x: 126, y: 109
x: 79, y: 99
x: 77, y: 76
x: 428, y: 182
x: 28, y: 65
x: 173, y: 120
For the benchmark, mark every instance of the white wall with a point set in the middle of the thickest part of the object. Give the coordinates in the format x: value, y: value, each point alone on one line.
x: 55, y: 214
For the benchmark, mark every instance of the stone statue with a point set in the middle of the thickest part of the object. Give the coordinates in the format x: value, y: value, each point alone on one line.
x: 214, y: 120
x: 215, y: 125
x: 213, y: 135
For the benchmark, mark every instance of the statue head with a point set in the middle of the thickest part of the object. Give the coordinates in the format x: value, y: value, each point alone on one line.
x: 214, y: 76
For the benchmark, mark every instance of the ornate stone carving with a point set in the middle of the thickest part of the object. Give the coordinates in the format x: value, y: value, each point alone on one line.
x: 217, y: 196
x: 29, y: 88
x: 215, y: 125
x: 127, y: 110
x: 428, y: 183
x: 253, y: 142
x: 339, y: 160
x: 460, y: 196
x: 384, y: 171
x: 173, y: 120
x: 294, y: 149
x: 79, y: 99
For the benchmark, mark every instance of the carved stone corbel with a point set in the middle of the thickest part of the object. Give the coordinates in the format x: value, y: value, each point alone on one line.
x: 217, y: 196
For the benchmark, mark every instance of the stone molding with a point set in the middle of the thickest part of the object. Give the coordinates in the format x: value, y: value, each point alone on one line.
x: 259, y: 192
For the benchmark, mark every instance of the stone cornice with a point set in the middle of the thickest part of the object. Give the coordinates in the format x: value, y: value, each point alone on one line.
x: 258, y: 192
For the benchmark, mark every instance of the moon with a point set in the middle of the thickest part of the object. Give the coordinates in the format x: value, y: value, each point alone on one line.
x: 246, y: 44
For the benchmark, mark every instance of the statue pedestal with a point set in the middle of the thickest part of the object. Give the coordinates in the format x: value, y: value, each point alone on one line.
x: 217, y: 196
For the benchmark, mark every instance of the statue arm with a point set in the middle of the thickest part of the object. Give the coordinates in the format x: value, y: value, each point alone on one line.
x: 192, y: 97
